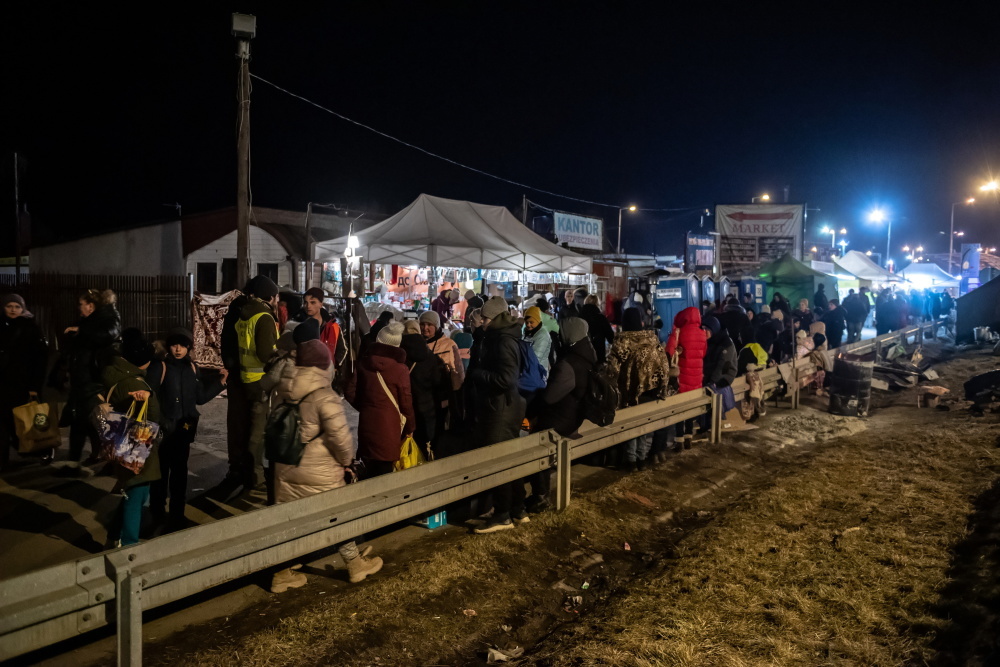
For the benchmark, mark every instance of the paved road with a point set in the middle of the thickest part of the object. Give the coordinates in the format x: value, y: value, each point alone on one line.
x: 47, y: 519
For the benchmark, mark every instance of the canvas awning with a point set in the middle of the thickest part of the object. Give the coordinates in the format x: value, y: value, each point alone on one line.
x: 433, y: 231
x: 859, y: 264
x: 928, y: 275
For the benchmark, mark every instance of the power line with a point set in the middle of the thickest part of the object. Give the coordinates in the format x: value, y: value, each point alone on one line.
x: 446, y: 159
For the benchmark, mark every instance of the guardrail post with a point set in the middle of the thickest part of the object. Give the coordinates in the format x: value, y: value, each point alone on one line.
x: 715, y: 420
x: 128, y: 610
x: 563, y: 473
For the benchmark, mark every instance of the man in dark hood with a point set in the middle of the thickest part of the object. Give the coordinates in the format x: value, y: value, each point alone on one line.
x: 720, y: 359
x: 500, y: 408
x: 599, y: 330
x: 734, y: 320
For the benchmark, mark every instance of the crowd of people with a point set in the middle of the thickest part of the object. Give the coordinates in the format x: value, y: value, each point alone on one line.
x: 506, y: 370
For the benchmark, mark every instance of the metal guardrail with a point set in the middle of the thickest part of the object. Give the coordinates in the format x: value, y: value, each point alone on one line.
x: 60, y: 602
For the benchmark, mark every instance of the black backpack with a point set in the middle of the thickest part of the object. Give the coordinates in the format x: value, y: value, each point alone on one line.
x: 601, y: 399
x: 282, y: 438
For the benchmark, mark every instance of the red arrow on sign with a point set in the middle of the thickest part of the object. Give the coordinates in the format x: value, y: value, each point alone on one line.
x: 741, y: 216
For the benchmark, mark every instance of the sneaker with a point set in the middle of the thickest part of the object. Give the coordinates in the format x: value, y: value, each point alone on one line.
x: 538, y: 506
x: 285, y: 579
x: 494, y: 526
x: 520, y: 517
x: 226, y: 489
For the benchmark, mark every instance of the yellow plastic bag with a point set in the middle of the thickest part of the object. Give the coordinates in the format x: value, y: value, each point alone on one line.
x: 410, y: 455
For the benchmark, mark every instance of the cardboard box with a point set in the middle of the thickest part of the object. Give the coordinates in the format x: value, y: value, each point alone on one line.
x: 434, y: 520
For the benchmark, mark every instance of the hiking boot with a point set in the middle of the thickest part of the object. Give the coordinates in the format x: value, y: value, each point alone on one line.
x: 360, y: 567
x: 678, y: 446
x: 520, y: 517
x: 494, y: 526
x: 688, y: 439
x: 288, y: 578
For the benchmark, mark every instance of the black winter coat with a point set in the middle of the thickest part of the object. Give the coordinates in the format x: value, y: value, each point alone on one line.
x: 89, y: 349
x: 598, y: 330
x: 500, y: 408
x: 734, y: 320
x: 835, y: 321
x: 183, y: 388
x: 427, y: 375
x: 23, y: 359
x: 561, y: 404
x: 720, y: 360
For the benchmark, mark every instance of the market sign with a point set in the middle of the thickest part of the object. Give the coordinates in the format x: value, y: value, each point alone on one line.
x: 577, y: 231
x: 755, y: 234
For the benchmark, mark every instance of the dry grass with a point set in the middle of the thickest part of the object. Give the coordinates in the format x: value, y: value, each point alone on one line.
x: 840, y: 563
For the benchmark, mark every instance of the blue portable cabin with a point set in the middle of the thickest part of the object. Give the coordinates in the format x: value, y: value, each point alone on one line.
x: 723, y: 287
x: 673, y: 294
x: 707, y: 290
x: 757, y: 287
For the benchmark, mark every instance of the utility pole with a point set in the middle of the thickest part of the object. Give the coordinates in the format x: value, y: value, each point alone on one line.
x: 17, y: 223
x: 244, y: 29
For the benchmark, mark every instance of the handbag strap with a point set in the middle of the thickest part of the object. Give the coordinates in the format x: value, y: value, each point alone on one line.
x: 402, y: 419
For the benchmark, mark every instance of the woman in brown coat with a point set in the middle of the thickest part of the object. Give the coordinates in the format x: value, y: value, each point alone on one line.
x: 328, y: 451
x: 380, y: 392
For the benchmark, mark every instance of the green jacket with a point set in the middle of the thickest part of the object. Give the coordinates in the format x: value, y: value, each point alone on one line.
x: 125, y: 377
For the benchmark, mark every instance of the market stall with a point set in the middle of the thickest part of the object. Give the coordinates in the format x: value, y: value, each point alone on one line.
x: 437, y: 243
x: 795, y: 280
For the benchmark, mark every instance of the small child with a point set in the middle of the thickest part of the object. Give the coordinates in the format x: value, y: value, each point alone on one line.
x: 182, y: 387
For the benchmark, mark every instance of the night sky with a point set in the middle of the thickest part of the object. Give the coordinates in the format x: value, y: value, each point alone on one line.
x: 119, y: 112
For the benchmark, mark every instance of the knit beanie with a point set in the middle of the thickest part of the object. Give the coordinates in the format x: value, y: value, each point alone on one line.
x: 711, y: 324
x: 180, y: 336
x: 632, y: 320
x: 765, y: 309
x: 135, y: 348
x: 391, y: 334
x: 262, y: 287
x: 534, y: 312
x: 411, y: 327
x: 573, y: 330
x: 469, y: 294
x: 430, y: 317
x: 313, y: 353
x: 802, y: 335
x: 18, y: 299
x: 308, y: 330
x: 493, y: 307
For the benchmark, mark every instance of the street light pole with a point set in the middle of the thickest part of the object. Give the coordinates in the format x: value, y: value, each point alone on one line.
x: 951, y: 231
x: 629, y: 208
x: 888, y: 243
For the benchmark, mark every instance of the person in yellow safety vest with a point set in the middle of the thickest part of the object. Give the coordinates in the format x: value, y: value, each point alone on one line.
x: 256, y: 337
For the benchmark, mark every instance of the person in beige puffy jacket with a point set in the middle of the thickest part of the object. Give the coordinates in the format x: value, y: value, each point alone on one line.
x: 329, y: 450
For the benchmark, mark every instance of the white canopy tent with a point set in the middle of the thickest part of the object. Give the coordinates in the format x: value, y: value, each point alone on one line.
x: 926, y: 275
x: 860, y: 265
x: 449, y: 233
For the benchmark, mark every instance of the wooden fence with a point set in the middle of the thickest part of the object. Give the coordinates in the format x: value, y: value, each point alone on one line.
x: 153, y: 304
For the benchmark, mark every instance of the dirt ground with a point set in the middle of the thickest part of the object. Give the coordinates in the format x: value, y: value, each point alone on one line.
x: 811, y: 540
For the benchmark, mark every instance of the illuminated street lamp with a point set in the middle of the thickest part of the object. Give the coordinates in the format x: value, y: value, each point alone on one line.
x: 631, y: 209
x: 992, y: 186
x: 833, y: 234
x: 763, y: 197
x: 879, y: 216
x: 843, y: 246
x: 951, y: 237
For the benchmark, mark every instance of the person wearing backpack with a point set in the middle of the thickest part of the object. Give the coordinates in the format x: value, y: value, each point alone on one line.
x: 182, y: 388
x: 380, y: 392
x: 562, y: 406
x: 535, y: 345
x: 500, y: 409
x: 535, y: 333
x: 327, y: 450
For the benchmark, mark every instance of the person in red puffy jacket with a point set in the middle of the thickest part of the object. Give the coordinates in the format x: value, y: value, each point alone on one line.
x: 689, y: 340
x: 689, y: 337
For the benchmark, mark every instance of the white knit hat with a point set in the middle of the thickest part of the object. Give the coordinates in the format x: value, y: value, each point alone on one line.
x: 391, y: 334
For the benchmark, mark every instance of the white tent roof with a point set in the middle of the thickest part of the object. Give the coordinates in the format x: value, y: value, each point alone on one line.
x: 928, y: 274
x: 446, y: 232
x: 860, y: 265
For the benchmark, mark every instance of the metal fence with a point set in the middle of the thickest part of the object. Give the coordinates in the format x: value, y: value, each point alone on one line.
x: 56, y: 603
x: 154, y: 304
